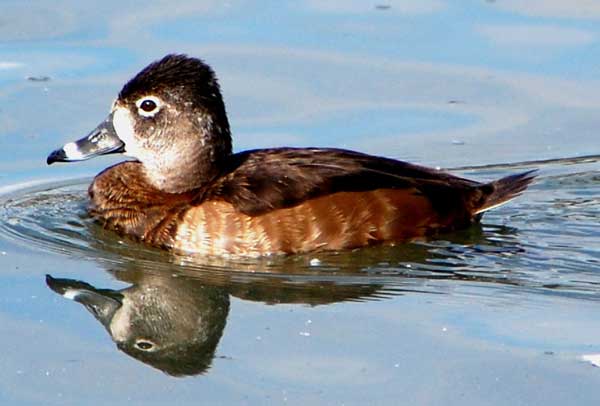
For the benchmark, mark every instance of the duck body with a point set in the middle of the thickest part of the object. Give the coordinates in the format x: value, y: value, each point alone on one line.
x: 188, y: 192
x: 290, y: 200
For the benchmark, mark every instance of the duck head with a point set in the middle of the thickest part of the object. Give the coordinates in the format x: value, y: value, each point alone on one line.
x: 171, y: 118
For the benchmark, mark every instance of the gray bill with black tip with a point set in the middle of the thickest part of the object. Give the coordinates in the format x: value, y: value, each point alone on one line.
x: 102, y: 303
x: 101, y: 141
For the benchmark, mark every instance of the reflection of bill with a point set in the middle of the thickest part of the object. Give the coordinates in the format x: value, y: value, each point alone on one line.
x: 175, y: 323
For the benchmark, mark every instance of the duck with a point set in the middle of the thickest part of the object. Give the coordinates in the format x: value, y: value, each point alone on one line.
x: 186, y: 191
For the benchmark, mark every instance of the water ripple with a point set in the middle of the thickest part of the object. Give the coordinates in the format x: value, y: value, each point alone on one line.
x: 546, y: 241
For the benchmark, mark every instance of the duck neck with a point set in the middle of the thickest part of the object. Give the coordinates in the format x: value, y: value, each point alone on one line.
x: 190, y: 165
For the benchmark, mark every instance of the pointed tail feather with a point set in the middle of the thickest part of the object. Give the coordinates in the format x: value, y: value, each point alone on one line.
x: 503, y: 190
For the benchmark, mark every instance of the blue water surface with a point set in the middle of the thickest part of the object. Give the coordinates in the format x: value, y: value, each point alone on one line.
x: 498, y: 314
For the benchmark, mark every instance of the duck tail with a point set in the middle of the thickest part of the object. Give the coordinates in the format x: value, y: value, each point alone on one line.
x: 503, y: 190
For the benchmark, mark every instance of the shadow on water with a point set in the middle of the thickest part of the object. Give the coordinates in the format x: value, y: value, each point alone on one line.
x: 174, y: 311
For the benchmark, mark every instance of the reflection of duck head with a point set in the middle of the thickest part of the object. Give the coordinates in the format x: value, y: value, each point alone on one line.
x: 170, y: 324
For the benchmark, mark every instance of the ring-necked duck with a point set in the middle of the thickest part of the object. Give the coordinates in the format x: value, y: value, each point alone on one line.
x: 188, y: 192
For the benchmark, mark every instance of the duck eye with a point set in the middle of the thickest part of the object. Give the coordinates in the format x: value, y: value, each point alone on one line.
x: 144, y: 345
x: 148, y: 105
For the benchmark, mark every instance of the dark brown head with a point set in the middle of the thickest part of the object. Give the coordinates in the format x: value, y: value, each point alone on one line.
x: 170, y: 117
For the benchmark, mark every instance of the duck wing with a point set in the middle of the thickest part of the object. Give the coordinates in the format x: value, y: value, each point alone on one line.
x: 259, y: 181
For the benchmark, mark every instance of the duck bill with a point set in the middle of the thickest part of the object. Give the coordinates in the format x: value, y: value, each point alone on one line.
x: 101, y: 141
x: 102, y: 303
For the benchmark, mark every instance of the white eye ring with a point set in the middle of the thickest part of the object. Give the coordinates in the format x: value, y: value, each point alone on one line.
x: 148, y: 106
x: 144, y: 345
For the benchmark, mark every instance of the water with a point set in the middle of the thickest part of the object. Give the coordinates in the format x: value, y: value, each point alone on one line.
x: 500, y: 313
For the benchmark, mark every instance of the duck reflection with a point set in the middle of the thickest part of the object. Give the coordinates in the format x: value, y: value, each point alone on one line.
x: 174, y: 312
x: 169, y: 323
x: 174, y: 322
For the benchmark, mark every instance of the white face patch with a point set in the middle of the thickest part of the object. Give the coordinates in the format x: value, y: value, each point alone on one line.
x: 158, y: 154
x: 124, y: 127
x: 120, y: 325
x: 72, y: 152
x: 148, y: 106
